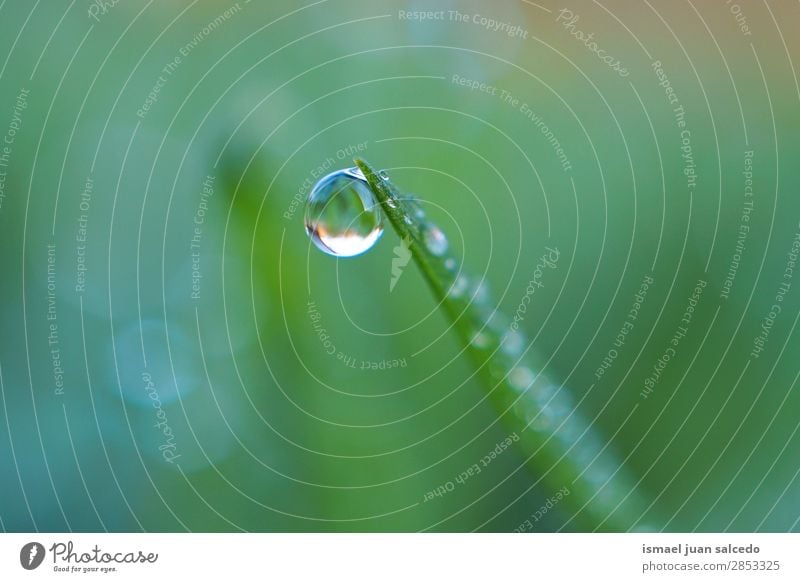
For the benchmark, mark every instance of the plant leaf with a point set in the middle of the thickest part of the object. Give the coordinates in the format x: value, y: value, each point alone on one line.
x: 565, y: 452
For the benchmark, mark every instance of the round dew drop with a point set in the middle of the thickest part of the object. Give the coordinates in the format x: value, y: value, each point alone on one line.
x: 458, y: 287
x: 436, y: 241
x: 521, y: 377
x: 513, y: 343
x: 343, y: 217
x: 480, y: 340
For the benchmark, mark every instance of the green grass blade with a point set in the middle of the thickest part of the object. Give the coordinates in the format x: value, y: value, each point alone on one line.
x: 565, y: 451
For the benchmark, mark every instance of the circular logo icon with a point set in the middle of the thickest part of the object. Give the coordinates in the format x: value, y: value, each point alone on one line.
x: 31, y: 555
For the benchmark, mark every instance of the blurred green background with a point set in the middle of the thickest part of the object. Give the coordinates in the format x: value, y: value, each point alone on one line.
x: 160, y: 367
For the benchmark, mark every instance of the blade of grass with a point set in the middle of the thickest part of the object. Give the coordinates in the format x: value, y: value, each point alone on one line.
x: 564, y: 450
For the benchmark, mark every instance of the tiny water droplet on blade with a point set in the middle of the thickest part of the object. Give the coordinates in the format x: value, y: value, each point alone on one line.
x: 481, y: 340
x: 343, y: 217
x: 458, y: 287
x: 436, y: 241
x: 521, y: 377
x: 481, y: 292
x: 513, y: 343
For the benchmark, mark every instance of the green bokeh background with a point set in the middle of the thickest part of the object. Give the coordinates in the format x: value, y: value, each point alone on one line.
x: 275, y: 434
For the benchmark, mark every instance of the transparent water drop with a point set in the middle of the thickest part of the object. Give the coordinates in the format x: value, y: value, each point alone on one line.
x: 571, y: 430
x: 589, y: 450
x: 513, y: 343
x: 481, y: 293
x: 521, y: 377
x: 384, y: 174
x: 458, y: 287
x: 343, y: 217
x: 540, y: 423
x: 481, y: 340
x: 436, y: 241
x: 544, y: 393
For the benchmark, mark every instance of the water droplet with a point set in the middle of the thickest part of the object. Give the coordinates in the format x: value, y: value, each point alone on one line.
x: 481, y: 340
x: 513, y: 343
x: 384, y: 174
x: 481, y: 293
x: 601, y: 471
x: 521, y: 378
x: 458, y: 287
x: 588, y: 451
x: 571, y: 430
x: 436, y: 241
x: 450, y: 264
x: 343, y: 217
x: 540, y: 422
x: 544, y: 394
